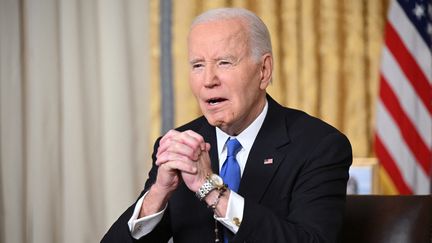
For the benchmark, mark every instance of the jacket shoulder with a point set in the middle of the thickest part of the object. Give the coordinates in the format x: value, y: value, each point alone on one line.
x: 302, y: 125
x: 194, y: 125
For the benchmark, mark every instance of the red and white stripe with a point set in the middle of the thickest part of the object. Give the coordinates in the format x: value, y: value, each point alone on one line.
x: 403, y: 137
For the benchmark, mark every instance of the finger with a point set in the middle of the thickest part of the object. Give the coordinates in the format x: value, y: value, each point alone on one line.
x: 182, y: 143
x: 204, y: 163
x: 180, y: 166
x: 173, y: 139
x: 165, y: 139
x: 207, y: 147
x: 183, y: 149
x: 171, y: 133
x: 206, y: 150
x: 197, y: 137
x: 189, y: 138
x: 194, y: 140
x: 164, y: 146
x: 169, y: 156
x: 173, y: 136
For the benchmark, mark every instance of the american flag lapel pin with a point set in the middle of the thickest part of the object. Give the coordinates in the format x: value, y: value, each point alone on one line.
x: 268, y: 161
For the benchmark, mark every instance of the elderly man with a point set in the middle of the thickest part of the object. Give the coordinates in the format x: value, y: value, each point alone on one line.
x: 249, y: 170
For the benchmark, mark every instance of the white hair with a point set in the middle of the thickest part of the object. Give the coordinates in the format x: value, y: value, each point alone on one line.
x: 259, y: 36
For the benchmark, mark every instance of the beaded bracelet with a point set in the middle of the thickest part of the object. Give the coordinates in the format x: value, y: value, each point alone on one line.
x: 213, y: 207
x: 215, y: 203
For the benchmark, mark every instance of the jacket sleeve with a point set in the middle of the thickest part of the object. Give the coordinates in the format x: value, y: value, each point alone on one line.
x: 119, y: 231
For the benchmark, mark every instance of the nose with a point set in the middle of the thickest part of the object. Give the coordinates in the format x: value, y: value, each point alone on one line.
x: 211, y: 79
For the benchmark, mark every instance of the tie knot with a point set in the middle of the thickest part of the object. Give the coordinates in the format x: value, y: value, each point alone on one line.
x: 233, y: 146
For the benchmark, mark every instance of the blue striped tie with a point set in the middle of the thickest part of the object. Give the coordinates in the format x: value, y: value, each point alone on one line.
x: 230, y: 171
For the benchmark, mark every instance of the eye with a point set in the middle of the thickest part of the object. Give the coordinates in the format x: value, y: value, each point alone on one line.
x: 224, y: 63
x: 197, y: 65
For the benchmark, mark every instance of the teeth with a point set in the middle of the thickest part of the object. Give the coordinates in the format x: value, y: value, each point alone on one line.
x: 214, y: 101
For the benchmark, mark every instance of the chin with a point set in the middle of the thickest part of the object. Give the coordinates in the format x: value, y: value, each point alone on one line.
x: 214, y: 122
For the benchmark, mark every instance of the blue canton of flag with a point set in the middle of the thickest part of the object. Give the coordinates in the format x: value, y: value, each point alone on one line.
x: 420, y: 14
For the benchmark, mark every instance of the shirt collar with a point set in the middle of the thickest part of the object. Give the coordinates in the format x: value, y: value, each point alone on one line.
x: 246, y: 137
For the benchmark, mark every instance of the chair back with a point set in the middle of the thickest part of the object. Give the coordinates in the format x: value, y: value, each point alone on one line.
x: 387, y: 219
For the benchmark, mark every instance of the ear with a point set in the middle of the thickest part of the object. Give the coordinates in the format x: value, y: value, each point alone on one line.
x: 266, y: 70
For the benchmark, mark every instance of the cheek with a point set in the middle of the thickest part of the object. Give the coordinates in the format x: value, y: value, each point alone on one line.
x: 194, y: 85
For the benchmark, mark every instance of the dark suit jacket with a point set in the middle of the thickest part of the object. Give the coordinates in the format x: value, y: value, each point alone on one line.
x: 298, y: 198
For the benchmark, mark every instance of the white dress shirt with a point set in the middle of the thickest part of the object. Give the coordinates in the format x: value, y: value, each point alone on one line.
x: 234, y: 213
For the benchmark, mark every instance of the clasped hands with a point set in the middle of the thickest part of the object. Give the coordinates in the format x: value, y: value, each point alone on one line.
x: 182, y: 156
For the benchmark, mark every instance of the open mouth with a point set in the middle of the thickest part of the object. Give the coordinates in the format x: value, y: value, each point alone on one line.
x: 215, y: 101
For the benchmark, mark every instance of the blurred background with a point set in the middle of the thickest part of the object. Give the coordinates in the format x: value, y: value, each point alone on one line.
x: 86, y: 86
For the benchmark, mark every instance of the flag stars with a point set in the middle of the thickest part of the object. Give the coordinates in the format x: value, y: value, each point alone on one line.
x: 419, y: 11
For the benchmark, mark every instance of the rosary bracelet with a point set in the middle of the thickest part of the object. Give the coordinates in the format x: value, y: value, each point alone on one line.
x: 213, y: 207
x: 215, y: 203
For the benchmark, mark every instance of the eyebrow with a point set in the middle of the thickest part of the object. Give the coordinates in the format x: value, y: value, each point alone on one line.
x: 196, y: 60
x: 227, y: 57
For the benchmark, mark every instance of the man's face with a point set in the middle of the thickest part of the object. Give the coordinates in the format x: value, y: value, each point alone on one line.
x: 227, y: 81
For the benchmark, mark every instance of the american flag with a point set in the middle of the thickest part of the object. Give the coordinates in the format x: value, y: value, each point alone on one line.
x: 268, y: 161
x: 403, y: 135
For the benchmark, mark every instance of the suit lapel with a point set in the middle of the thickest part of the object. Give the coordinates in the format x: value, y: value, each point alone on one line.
x: 270, y: 144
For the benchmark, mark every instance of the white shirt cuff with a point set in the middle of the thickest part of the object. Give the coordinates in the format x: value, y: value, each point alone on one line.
x: 234, y: 213
x: 143, y: 226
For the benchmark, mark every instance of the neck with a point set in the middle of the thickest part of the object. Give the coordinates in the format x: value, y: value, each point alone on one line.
x: 236, y: 129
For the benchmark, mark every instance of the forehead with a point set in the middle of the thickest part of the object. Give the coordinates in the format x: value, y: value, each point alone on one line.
x: 218, y: 36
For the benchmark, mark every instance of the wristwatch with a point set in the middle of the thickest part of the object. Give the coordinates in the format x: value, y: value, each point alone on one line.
x: 212, y: 182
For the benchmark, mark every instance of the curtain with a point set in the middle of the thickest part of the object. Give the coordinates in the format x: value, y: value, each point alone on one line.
x: 75, y: 107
